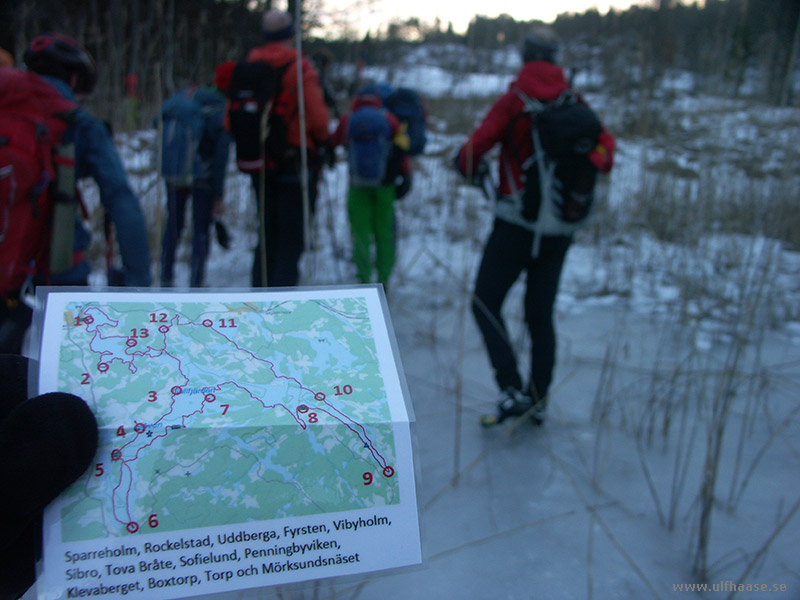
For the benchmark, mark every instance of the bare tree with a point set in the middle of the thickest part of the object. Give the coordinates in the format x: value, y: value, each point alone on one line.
x: 787, y: 80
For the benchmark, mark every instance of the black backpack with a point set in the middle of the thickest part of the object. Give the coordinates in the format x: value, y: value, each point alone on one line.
x: 258, y: 131
x: 559, y: 178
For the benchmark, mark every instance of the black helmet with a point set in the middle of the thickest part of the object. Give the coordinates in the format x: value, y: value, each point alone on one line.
x: 61, y: 56
x: 541, y: 43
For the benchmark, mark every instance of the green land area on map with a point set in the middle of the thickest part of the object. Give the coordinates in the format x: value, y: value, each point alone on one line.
x: 219, y: 414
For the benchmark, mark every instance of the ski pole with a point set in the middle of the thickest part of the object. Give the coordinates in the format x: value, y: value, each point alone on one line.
x: 488, y: 186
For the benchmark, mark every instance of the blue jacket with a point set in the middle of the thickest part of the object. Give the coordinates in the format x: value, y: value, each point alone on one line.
x: 96, y: 157
x: 210, y: 163
x: 214, y: 157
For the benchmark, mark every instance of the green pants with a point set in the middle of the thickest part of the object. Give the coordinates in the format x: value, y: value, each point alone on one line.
x: 371, y: 211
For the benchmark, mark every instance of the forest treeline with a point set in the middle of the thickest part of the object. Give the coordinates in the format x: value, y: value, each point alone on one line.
x: 146, y: 49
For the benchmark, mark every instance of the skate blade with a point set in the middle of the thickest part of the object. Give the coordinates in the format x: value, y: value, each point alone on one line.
x: 491, y: 420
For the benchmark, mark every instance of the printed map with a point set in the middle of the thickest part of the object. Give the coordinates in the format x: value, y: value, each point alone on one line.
x: 224, y: 412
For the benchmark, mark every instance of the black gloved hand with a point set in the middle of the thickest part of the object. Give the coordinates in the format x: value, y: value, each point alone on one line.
x: 327, y: 154
x: 402, y: 185
x: 46, y: 443
x: 223, y: 237
x: 479, y: 171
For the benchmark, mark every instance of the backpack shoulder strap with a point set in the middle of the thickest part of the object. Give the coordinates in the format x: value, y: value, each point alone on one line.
x: 534, y: 106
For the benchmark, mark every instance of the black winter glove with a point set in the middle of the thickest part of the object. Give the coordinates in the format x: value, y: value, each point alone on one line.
x: 223, y: 237
x: 327, y: 154
x: 479, y: 171
x: 46, y: 443
x: 402, y: 185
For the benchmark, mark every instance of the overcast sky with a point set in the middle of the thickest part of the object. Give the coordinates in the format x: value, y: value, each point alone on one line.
x: 460, y: 12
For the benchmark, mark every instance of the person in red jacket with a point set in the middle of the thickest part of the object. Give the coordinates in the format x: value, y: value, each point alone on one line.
x: 284, y: 216
x: 510, y: 248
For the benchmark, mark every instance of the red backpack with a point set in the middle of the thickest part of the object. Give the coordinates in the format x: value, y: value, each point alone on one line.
x: 33, y: 118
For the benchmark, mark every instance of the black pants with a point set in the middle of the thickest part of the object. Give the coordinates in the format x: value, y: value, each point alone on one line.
x: 46, y: 443
x: 506, y: 255
x: 202, y: 205
x: 284, y: 227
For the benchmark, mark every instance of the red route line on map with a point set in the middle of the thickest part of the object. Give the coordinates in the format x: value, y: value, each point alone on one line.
x: 334, y: 413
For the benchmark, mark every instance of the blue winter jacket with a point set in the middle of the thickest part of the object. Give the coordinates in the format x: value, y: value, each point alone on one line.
x: 211, y: 160
x: 96, y: 157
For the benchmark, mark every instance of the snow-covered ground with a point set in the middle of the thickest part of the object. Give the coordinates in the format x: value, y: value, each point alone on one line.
x: 665, y: 348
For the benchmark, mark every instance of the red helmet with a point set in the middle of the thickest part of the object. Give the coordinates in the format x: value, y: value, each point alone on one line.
x: 61, y: 56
